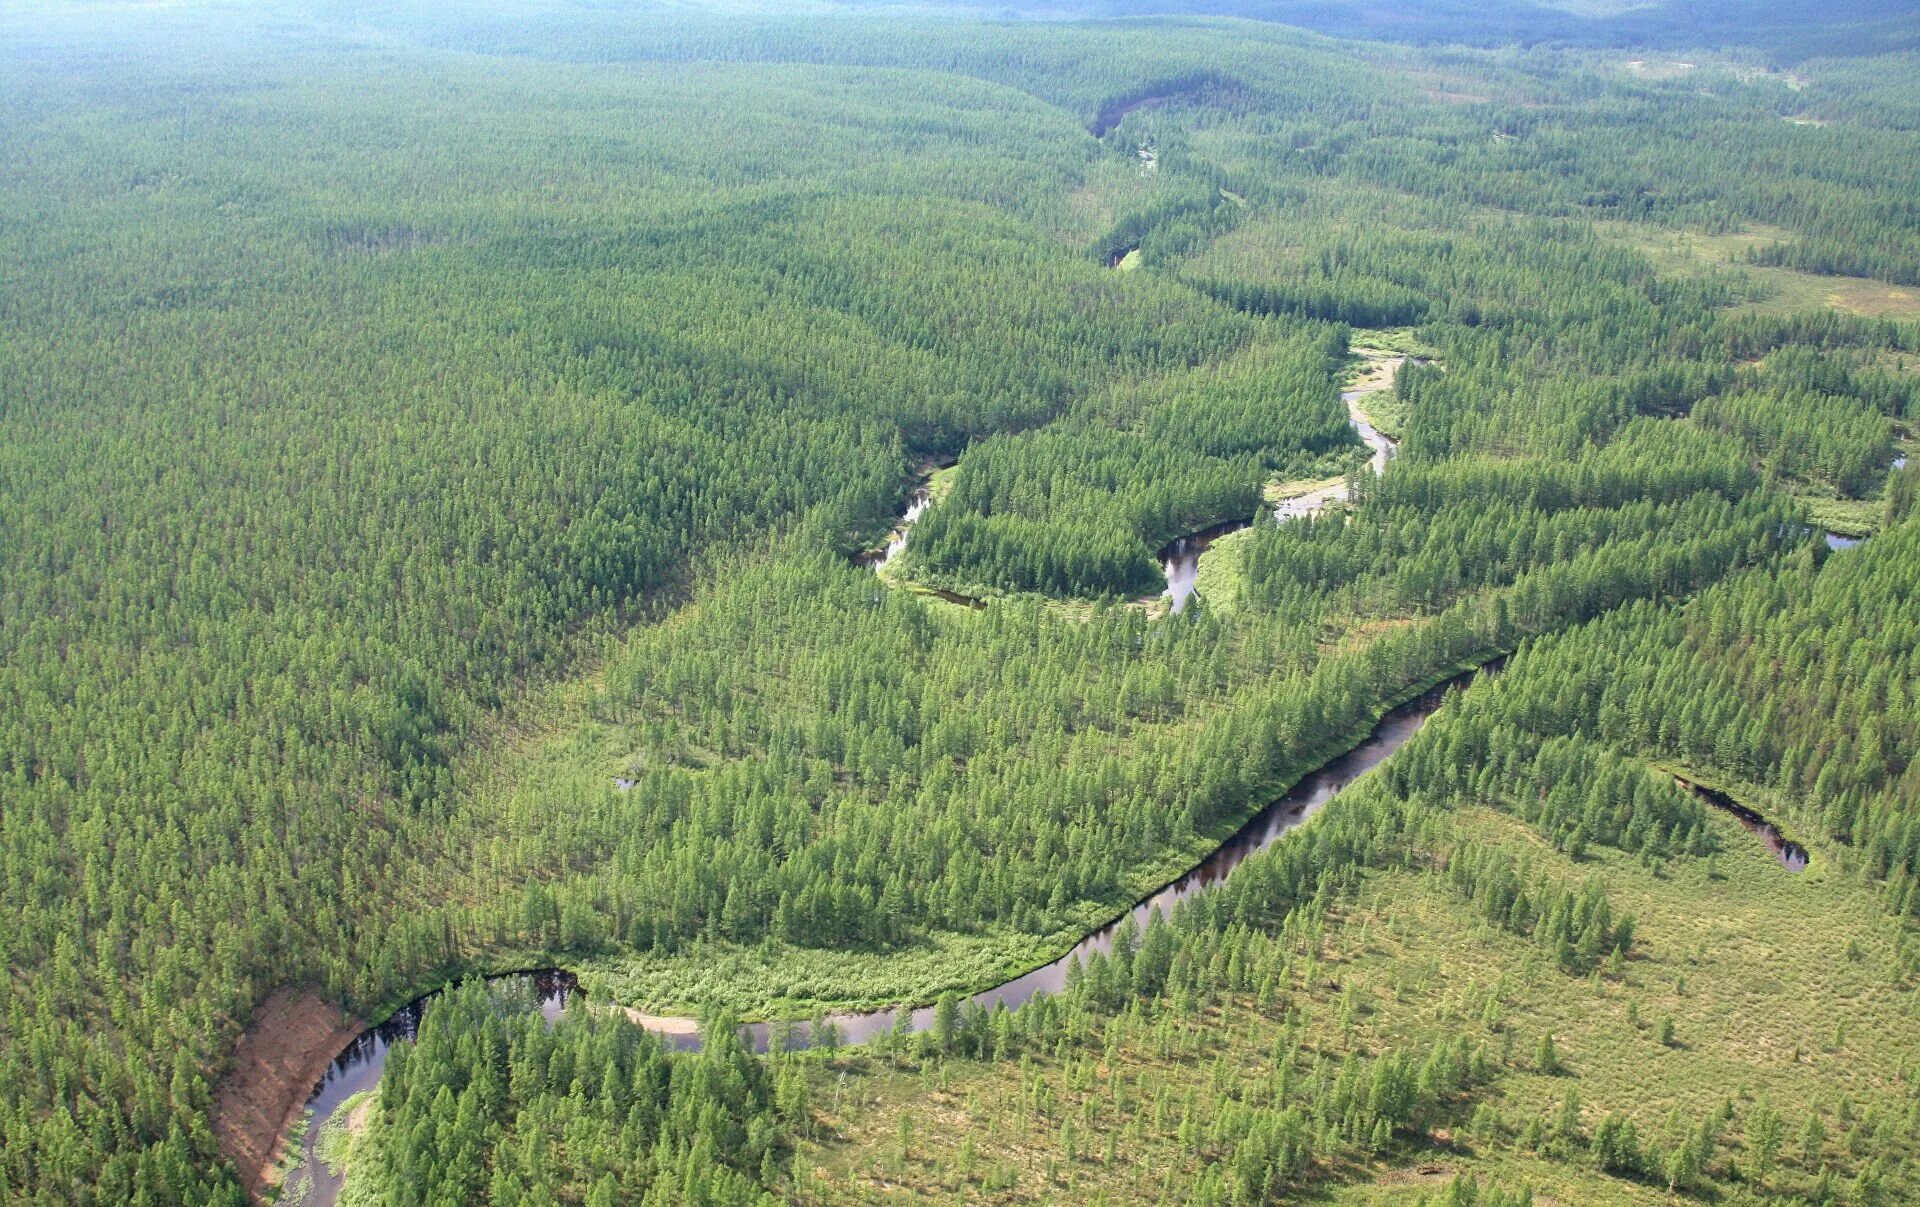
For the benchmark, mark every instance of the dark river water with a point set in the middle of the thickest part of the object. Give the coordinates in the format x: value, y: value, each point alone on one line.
x: 358, y: 1068
x: 1792, y: 855
x: 1278, y: 818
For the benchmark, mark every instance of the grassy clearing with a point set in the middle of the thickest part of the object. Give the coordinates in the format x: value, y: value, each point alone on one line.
x: 1848, y: 517
x: 1779, y: 290
x: 1387, y: 413
x: 1293, y: 488
x: 1658, y: 69
x: 1371, y: 369
x: 1219, y: 575
x: 1752, y: 964
x: 773, y: 981
x: 940, y: 481
x: 1392, y: 341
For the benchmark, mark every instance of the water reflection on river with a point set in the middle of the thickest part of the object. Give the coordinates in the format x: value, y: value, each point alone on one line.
x: 1181, y: 561
x: 359, y: 1067
x: 917, y: 504
x: 1287, y: 813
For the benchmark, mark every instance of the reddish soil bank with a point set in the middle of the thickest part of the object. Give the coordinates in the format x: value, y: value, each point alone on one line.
x: 294, y: 1036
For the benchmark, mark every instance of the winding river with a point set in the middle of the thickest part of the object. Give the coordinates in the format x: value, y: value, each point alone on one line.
x: 1383, y: 446
x: 359, y: 1066
x: 1180, y: 561
x: 311, y: 1183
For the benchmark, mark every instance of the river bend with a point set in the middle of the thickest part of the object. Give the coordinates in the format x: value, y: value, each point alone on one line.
x: 359, y: 1066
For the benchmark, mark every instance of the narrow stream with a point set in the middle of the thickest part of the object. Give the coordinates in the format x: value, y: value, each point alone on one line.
x: 1792, y: 855
x: 1181, y: 560
x: 917, y: 504
x: 1315, y: 501
x: 1383, y: 446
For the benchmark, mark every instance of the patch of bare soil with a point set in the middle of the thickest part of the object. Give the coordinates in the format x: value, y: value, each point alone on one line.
x: 1414, y: 1175
x: 287, y: 1047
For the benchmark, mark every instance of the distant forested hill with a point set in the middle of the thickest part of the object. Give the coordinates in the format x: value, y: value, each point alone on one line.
x: 1789, y: 32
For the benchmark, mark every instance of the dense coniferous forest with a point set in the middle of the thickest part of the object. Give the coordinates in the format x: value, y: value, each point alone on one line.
x: 438, y: 454
x: 492, y: 1102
